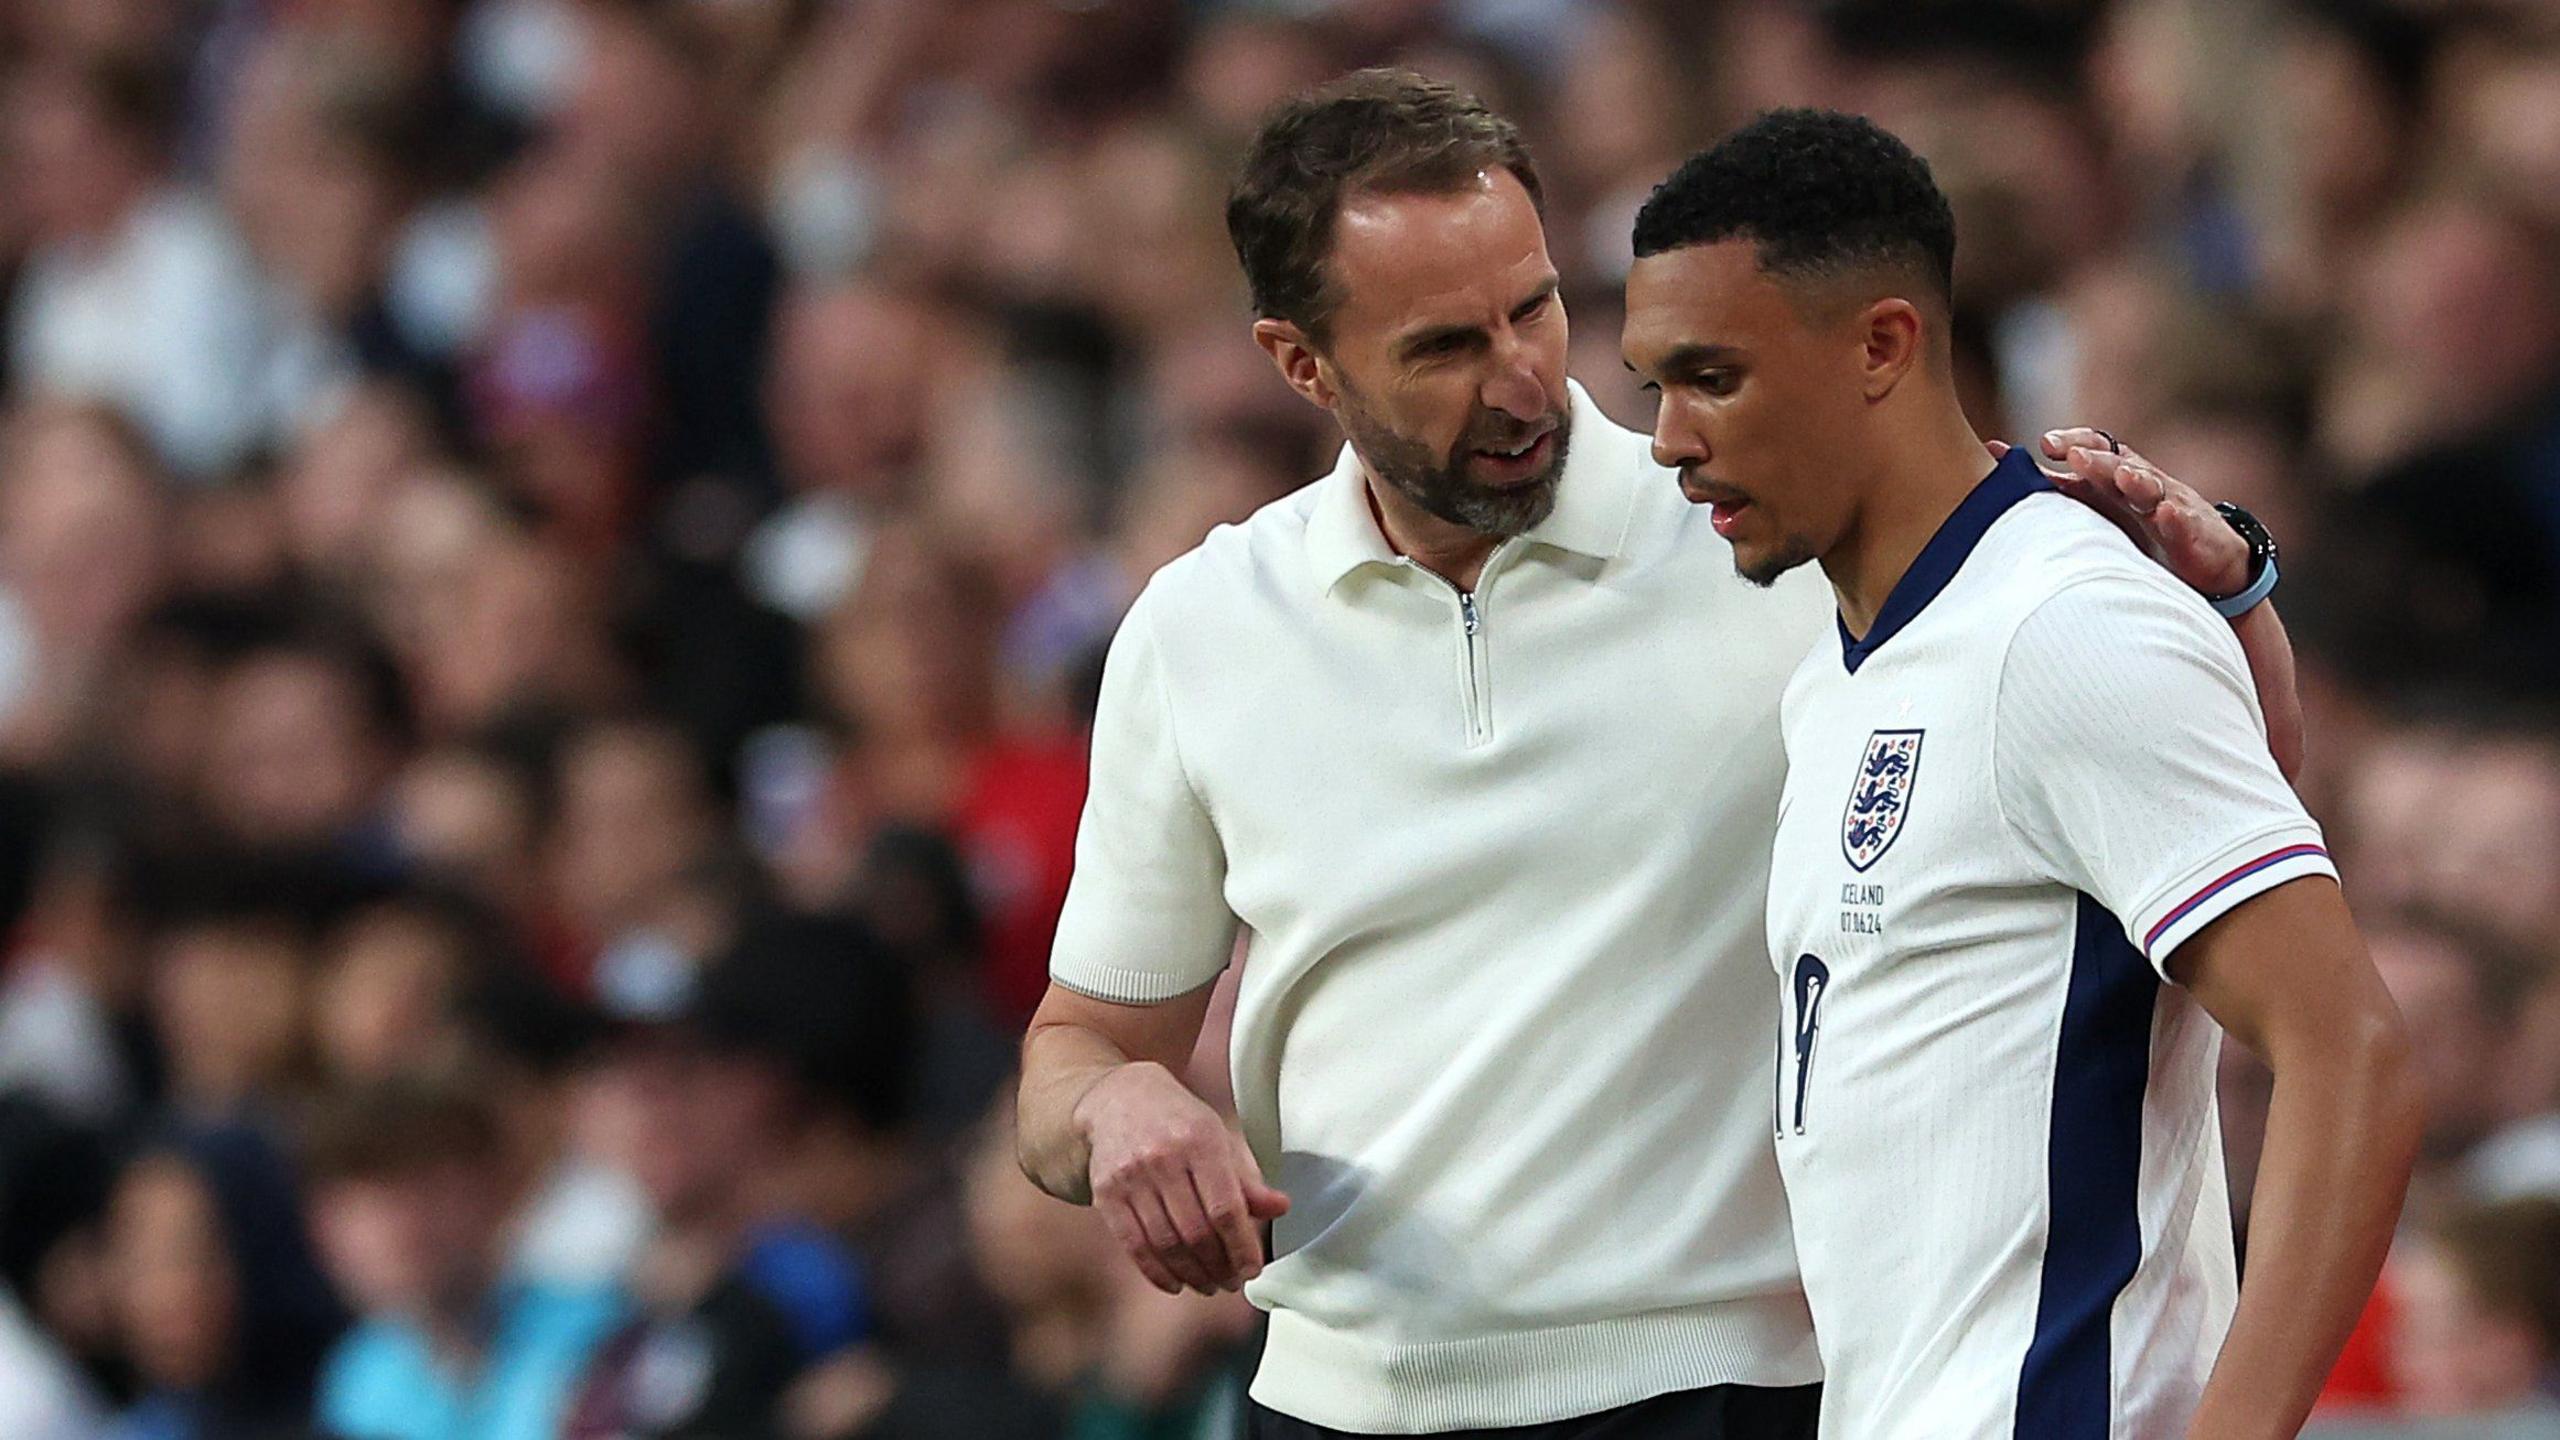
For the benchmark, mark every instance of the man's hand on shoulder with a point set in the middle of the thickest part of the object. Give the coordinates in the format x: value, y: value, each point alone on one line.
x: 2164, y: 517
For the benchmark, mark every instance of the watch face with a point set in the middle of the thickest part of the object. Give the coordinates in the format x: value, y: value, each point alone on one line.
x: 2262, y: 543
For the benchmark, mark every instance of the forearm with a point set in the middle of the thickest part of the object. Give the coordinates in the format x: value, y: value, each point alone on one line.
x: 1075, y: 1043
x: 2342, y: 1133
x: 1060, y: 1063
x: 2270, y: 651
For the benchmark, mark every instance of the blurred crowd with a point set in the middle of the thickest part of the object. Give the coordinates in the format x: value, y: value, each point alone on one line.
x: 554, y: 555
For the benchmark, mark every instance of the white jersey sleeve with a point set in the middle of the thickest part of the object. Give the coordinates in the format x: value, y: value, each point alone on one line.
x: 1146, y: 917
x: 2131, y: 761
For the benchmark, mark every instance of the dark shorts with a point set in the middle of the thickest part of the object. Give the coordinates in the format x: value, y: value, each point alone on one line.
x: 1719, y: 1412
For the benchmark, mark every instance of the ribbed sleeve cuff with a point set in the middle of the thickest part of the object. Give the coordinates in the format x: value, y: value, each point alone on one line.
x: 2213, y: 889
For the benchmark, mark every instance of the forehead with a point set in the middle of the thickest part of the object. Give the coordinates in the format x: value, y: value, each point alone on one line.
x: 1400, y: 259
x: 1704, y: 295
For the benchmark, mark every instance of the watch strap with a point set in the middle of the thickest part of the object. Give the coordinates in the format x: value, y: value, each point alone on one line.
x: 2232, y: 607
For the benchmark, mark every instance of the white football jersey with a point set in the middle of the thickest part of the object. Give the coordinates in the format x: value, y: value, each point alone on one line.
x: 2042, y: 771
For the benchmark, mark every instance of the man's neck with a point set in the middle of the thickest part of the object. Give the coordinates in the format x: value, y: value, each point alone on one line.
x: 1445, y: 548
x: 1906, y: 500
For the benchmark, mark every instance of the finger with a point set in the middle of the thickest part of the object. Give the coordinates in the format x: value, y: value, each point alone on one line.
x: 1163, y: 1240
x: 1199, y: 1236
x: 2198, y: 547
x: 2143, y: 484
x: 1261, y: 1200
x: 2176, y: 525
x: 1172, y: 1247
x: 1123, y: 1219
x: 2119, y: 475
x: 2058, y: 443
x: 1999, y: 448
x: 2196, y: 528
x: 1222, y: 1200
x: 2098, y: 493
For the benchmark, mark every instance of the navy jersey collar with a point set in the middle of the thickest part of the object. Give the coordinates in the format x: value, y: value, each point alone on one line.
x: 2012, y: 480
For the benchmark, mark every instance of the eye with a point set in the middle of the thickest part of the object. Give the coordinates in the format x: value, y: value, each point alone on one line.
x: 1719, y: 383
x: 1533, y: 309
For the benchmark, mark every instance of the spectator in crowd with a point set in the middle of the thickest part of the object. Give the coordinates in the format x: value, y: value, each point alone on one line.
x: 501, y: 499
x: 81, y: 522
x: 392, y: 982
x: 412, y: 1191
x: 300, y: 732
x: 230, y: 983
x: 221, y: 1307
x: 733, y: 1077
x: 73, y: 1032
x: 2477, y: 1329
x: 60, y: 1368
x: 138, y: 294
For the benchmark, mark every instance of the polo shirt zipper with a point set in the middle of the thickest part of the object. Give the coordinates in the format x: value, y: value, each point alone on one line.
x: 1479, y: 708
x: 1476, y: 680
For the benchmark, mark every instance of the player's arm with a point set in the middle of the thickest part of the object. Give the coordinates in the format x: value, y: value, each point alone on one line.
x: 2177, y: 527
x: 2132, y: 766
x: 2270, y: 651
x: 1103, y: 1119
x: 2287, y: 976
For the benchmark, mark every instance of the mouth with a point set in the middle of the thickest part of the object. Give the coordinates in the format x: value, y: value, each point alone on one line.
x: 1726, y: 515
x: 1725, y: 507
x: 1512, y: 464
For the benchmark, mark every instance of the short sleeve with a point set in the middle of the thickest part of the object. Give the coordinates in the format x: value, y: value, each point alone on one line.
x: 1146, y: 917
x: 2131, y: 761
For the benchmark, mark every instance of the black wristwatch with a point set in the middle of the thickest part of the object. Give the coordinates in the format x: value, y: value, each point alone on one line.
x: 2262, y: 563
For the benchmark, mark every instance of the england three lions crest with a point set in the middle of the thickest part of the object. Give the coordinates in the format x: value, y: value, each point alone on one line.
x: 1880, y: 797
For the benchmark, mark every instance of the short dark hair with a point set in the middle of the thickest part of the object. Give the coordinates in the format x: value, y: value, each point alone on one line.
x: 1372, y: 132
x: 1819, y: 192
x: 403, y: 1125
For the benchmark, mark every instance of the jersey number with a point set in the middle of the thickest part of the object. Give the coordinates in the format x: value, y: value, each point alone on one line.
x: 1812, y: 979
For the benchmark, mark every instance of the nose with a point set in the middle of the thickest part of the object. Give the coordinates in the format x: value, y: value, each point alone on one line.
x: 1513, y: 386
x: 1678, y: 442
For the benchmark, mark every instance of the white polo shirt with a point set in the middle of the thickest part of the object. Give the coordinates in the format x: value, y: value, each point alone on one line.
x: 1504, y: 1035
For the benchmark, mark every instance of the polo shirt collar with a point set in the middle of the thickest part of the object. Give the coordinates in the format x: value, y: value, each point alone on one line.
x: 2013, y: 479
x: 1342, y: 534
x: 1595, y: 502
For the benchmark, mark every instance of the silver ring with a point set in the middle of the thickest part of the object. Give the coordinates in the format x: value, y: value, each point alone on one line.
x: 2112, y: 442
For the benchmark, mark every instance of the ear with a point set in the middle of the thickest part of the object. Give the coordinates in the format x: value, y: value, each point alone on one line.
x: 1294, y: 355
x: 1891, y: 334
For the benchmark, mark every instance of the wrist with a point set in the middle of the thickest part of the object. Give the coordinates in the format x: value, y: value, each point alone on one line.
x: 2258, y: 579
x: 2224, y: 579
x: 1091, y: 1104
x: 2232, y: 607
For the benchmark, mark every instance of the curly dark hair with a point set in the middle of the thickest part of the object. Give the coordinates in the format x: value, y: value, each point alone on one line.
x: 1819, y: 192
x: 1372, y: 132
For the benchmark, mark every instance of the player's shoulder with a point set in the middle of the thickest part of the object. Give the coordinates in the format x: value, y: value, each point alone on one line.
x: 2051, y: 557
x: 2048, y: 544
x: 2073, y: 593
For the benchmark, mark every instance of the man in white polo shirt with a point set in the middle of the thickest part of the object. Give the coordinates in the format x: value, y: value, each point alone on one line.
x: 1479, y: 737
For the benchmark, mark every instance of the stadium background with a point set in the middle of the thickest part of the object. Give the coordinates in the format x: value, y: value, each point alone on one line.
x: 510, y: 506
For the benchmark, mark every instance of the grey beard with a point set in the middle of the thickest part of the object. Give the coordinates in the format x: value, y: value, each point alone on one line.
x: 1439, y: 484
